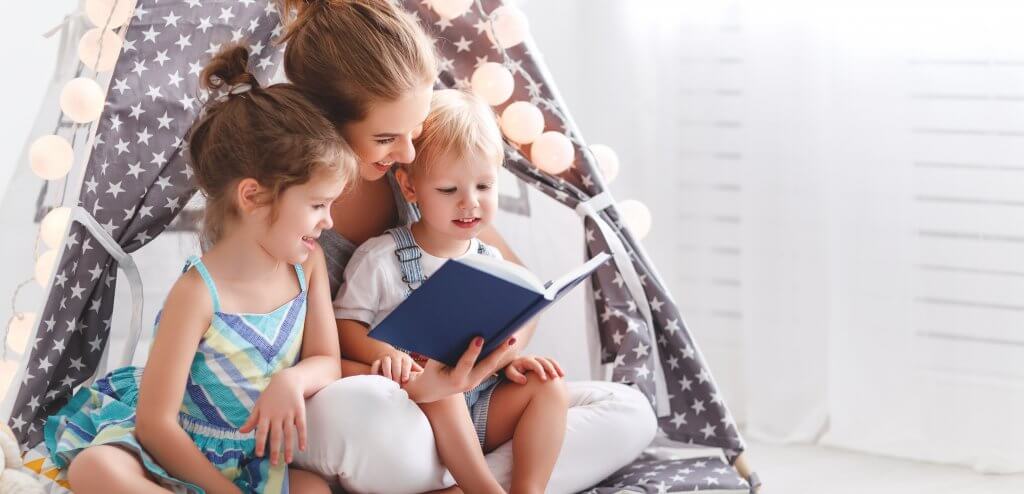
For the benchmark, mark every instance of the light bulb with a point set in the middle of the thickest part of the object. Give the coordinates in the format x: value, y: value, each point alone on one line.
x: 82, y: 100
x: 636, y: 216
x: 53, y: 226
x: 510, y: 26
x: 118, y: 11
x: 50, y: 157
x: 522, y: 122
x: 19, y: 330
x: 450, y: 9
x: 93, y: 42
x: 607, y: 161
x: 493, y: 82
x: 44, y: 267
x: 552, y: 152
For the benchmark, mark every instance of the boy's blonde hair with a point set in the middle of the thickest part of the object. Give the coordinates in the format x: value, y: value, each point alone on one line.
x: 459, y: 124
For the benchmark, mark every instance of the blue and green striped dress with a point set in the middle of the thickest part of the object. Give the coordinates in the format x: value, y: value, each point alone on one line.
x: 235, y: 360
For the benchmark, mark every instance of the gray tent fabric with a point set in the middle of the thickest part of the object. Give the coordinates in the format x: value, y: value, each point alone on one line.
x: 698, y: 411
x: 136, y: 181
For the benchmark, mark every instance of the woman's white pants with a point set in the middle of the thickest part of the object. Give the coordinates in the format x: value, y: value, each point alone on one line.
x: 364, y: 433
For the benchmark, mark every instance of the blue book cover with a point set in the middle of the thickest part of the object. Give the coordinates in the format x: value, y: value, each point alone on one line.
x: 469, y: 297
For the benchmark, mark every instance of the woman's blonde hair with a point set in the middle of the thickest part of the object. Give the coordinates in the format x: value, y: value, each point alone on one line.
x: 348, y: 54
x: 459, y: 124
x: 273, y: 135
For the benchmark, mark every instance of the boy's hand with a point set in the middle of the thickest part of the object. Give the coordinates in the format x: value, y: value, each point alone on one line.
x: 280, y: 412
x: 544, y: 367
x: 396, y: 365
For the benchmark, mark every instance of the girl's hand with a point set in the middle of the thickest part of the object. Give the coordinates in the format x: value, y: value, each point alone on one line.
x: 439, y: 381
x: 395, y: 365
x: 280, y: 412
x: 544, y: 367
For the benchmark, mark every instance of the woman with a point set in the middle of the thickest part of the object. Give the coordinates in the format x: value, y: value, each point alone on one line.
x: 371, y: 68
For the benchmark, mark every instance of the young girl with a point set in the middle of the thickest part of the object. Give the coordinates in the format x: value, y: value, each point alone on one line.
x: 453, y: 181
x: 246, y: 333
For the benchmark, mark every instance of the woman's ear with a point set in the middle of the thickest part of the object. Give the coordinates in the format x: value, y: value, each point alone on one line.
x: 405, y: 183
x: 248, y: 194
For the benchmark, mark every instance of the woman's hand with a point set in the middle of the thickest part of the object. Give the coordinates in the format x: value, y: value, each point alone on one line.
x: 439, y: 381
x: 395, y: 365
x: 280, y: 412
x: 544, y: 367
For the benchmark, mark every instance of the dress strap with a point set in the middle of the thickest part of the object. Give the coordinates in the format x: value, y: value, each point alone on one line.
x: 408, y: 254
x: 194, y: 261
x: 302, y: 277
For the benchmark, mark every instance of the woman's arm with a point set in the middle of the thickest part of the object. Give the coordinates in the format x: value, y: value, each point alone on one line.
x: 185, y: 317
x: 490, y: 236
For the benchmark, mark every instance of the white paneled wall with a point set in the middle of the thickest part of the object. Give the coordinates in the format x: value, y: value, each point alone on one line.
x: 838, y: 200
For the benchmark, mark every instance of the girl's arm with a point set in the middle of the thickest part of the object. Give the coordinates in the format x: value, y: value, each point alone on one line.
x: 489, y: 235
x: 320, y: 363
x: 280, y: 411
x: 185, y: 317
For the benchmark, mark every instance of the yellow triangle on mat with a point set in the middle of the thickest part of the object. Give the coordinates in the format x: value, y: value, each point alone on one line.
x: 35, y: 465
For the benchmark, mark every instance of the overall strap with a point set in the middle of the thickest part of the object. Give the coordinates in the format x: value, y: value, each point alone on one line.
x: 194, y: 261
x: 302, y: 277
x: 408, y: 254
x: 484, y: 249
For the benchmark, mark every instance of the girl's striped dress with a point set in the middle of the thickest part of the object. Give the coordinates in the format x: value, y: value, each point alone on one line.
x: 235, y: 360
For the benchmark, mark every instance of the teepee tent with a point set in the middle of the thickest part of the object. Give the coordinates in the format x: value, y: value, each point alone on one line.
x: 134, y: 185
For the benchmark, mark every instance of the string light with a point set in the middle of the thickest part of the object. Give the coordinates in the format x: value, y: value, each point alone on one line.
x: 607, y: 161
x: 44, y: 267
x: 492, y: 82
x: 53, y: 226
x: 450, y: 9
x: 509, y: 26
x: 98, y: 49
x: 50, y: 157
x: 522, y: 122
x: 18, y: 331
x: 109, y: 13
x: 552, y: 152
x: 636, y: 216
x: 82, y: 100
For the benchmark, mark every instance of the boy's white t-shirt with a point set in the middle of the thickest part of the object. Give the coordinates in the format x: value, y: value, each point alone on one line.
x: 373, y: 284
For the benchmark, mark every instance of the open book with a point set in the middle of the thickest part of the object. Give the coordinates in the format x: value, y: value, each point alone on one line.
x: 473, y: 296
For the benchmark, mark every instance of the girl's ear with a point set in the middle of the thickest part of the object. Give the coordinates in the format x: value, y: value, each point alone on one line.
x: 405, y: 183
x: 247, y: 195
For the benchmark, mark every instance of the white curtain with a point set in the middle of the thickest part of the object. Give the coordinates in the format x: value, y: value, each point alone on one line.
x: 837, y: 199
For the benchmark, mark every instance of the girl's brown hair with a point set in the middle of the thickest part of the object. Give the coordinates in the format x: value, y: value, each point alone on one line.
x: 346, y: 54
x: 274, y: 135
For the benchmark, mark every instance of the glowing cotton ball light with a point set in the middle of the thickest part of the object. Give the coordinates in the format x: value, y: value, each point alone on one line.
x: 510, y: 26
x: 117, y: 11
x: 636, y: 216
x: 552, y: 152
x: 607, y: 161
x: 492, y: 82
x: 50, y: 157
x: 82, y: 100
x: 53, y: 226
x: 8, y: 369
x: 19, y: 330
x: 450, y: 9
x: 522, y: 122
x: 44, y: 266
x: 98, y: 49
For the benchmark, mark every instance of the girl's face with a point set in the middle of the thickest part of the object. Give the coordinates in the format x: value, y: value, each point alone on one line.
x: 303, y: 212
x: 385, y: 136
x: 456, y: 198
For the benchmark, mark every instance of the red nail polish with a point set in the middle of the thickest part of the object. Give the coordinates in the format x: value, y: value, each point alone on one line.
x: 512, y: 342
x: 478, y: 341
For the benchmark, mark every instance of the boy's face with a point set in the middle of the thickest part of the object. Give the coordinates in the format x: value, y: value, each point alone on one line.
x: 456, y: 197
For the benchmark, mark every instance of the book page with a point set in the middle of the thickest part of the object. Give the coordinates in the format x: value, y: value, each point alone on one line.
x: 554, y: 286
x: 506, y: 270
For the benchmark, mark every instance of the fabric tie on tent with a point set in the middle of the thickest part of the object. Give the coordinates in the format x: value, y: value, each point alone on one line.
x: 698, y: 413
x: 135, y: 182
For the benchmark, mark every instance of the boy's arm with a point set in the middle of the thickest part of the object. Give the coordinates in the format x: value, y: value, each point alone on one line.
x: 185, y: 317
x: 357, y: 303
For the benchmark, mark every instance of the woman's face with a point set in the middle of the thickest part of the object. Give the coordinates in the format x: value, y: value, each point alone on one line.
x: 385, y: 136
